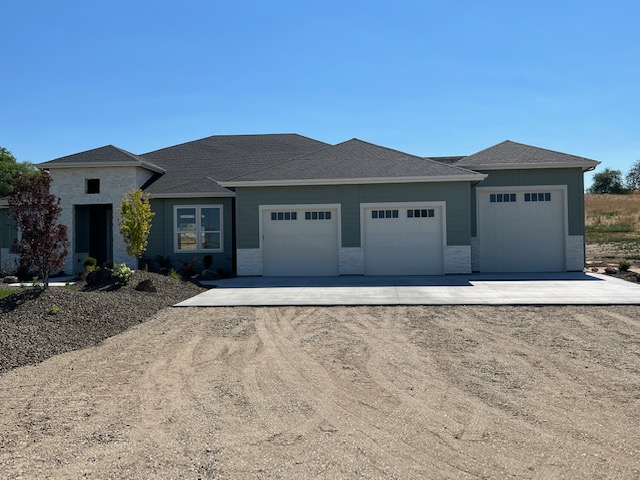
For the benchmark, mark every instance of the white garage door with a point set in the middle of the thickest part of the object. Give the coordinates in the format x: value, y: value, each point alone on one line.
x: 521, y: 231
x: 300, y: 242
x: 403, y: 240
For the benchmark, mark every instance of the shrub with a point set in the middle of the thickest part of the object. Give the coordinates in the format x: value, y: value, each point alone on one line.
x: 164, y: 262
x: 122, y: 273
x: 35, y: 283
x: 189, y: 269
x: 90, y: 264
x: 52, y: 310
x: 207, y: 261
x: 174, y: 274
x: 624, y: 265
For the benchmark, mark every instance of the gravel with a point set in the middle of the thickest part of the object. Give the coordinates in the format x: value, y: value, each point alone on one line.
x: 36, y: 324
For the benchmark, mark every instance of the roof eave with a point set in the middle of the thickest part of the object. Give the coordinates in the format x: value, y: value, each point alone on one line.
x: 354, y: 181
x: 586, y: 165
x: 193, y: 195
x: 146, y: 165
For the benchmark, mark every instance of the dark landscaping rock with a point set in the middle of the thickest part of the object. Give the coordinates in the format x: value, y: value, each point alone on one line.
x: 594, y: 269
x: 146, y: 286
x: 10, y: 279
x: 610, y: 271
x: 99, y: 277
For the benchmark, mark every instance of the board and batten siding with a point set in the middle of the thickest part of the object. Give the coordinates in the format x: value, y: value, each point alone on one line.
x: 161, y: 237
x: 573, y: 178
x: 349, y: 197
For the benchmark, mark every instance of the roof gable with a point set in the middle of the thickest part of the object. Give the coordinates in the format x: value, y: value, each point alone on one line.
x: 109, y: 155
x: 353, y: 160
x: 221, y: 157
x: 510, y: 154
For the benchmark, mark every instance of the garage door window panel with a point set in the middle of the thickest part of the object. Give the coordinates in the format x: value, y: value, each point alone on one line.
x: 198, y: 229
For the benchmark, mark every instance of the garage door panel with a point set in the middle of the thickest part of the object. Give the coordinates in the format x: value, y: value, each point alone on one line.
x: 522, y: 236
x: 403, y: 245
x: 300, y: 246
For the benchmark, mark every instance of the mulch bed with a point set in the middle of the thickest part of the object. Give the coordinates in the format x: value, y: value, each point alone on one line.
x: 36, y: 324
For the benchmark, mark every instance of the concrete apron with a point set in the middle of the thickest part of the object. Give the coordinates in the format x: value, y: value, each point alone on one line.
x: 480, y: 289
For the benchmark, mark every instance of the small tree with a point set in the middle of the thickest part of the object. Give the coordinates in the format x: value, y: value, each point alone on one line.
x: 135, y: 222
x: 9, y: 167
x: 633, y: 177
x: 35, y: 212
x: 607, y: 181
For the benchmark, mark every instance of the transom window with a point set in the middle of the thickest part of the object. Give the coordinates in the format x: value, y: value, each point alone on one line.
x: 198, y: 228
x: 284, y: 215
x: 384, y: 214
x: 317, y: 215
x: 421, y: 213
x: 537, y: 197
x: 502, y: 197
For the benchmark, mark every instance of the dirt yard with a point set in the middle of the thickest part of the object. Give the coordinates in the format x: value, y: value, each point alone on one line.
x: 366, y: 392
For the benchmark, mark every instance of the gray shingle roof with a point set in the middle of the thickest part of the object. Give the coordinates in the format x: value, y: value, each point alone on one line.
x: 222, y: 157
x: 106, y: 154
x: 353, y: 159
x: 518, y: 154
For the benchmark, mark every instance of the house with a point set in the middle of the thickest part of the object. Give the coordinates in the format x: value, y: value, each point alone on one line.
x: 286, y: 204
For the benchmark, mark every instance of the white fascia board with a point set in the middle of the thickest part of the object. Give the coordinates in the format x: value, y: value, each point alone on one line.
x: 531, y: 166
x: 355, y: 181
x: 146, y: 165
x: 193, y: 195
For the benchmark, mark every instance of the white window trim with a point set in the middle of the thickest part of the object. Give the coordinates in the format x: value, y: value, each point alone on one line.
x: 398, y: 205
x: 174, y: 229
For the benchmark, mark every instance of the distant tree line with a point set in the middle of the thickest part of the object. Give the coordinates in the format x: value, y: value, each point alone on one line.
x: 611, y: 181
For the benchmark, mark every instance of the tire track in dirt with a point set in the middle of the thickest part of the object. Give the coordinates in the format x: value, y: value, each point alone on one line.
x: 311, y: 382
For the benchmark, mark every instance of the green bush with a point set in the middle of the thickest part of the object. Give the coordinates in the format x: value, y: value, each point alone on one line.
x: 122, y: 273
x: 52, y: 310
x: 90, y: 264
x: 624, y: 265
x: 173, y: 273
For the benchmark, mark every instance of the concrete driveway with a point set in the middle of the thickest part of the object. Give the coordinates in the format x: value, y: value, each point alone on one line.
x: 479, y: 289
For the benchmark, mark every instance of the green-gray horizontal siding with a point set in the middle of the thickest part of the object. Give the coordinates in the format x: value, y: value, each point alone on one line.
x: 161, y: 237
x: 455, y: 194
x: 571, y: 177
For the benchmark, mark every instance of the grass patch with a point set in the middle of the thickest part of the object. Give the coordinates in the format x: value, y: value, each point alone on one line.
x: 612, y: 219
x: 6, y: 293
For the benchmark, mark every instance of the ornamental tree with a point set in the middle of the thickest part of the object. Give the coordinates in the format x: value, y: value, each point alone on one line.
x: 43, y: 242
x: 135, y: 222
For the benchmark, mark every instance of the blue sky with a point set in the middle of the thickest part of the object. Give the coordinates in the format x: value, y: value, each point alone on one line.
x: 428, y: 78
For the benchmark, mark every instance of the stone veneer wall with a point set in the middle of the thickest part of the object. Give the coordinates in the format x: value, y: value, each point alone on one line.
x: 69, y: 184
x: 351, y: 261
x: 249, y: 262
x: 457, y: 259
x: 575, y: 253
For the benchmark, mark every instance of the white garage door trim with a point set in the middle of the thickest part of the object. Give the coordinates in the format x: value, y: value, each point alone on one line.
x: 442, y: 206
x: 301, y: 206
x: 562, y: 189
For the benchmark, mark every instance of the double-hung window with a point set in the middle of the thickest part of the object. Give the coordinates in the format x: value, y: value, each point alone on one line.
x: 198, y: 228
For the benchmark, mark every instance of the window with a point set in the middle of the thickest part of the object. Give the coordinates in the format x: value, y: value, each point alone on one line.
x: 284, y: 215
x: 93, y: 185
x: 198, y: 228
x: 537, y: 197
x: 384, y: 214
x: 502, y: 198
x: 317, y: 215
x: 421, y: 213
